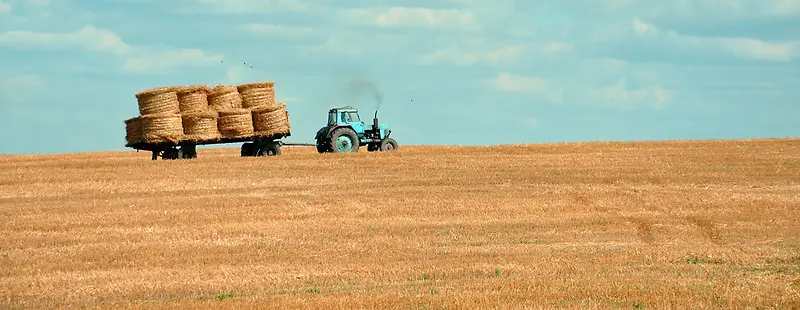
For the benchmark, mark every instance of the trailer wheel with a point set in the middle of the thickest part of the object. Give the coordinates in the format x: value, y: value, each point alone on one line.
x: 269, y: 150
x: 170, y: 153
x: 187, y: 152
x: 248, y: 149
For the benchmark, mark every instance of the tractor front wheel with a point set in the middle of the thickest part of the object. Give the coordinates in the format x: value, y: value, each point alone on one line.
x: 388, y: 144
x: 344, y: 140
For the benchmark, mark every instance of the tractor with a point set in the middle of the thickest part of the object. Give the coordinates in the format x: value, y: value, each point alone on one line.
x: 346, y: 132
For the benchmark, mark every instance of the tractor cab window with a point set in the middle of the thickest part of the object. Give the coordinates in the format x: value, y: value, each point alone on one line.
x: 353, y: 117
x: 332, y: 118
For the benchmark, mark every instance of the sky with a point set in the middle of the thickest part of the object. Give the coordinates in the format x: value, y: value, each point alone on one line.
x: 450, y: 72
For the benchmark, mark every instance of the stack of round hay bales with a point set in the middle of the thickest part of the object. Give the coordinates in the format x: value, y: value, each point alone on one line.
x: 257, y: 94
x: 162, y: 127
x: 201, y: 126
x: 224, y: 97
x: 193, y: 98
x: 160, y: 119
x: 270, y: 120
x: 133, y: 130
x: 235, y: 123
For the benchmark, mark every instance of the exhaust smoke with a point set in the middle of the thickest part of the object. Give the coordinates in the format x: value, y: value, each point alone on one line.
x: 359, y: 87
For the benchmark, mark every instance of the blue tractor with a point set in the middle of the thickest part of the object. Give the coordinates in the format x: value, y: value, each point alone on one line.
x: 346, y: 132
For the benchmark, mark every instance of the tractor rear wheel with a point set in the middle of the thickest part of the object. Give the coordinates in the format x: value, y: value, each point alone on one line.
x: 344, y: 140
x: 322, y: 146
x: 388, y: 144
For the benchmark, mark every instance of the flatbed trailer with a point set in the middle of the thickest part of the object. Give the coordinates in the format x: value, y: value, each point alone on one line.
x: 251, y: 146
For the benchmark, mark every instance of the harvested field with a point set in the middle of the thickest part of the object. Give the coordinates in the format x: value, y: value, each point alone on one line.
x: 711, y: 224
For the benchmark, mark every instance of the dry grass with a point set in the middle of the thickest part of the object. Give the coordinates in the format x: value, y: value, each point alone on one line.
x: 712, y: 224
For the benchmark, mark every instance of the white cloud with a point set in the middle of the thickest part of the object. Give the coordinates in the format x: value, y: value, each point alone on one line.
x: 24, y: 82
x: 748, y: 48
x: 620, y: 96
x: 279, y: 30
x: 489, y: 52
x: 518, y: 83
x: 245, y: 6
x: 5, y: 8
x: 412, y: 17
x: 40, y: 3
x: 164, y: 61
x: 135, y: 59
x: 513, y: 83
x: 706, y: 11
x: 559, y: 47
x: 458, y: 56
x: 644, y: 29
x: 356, y: 44
x: 21, y: 88
x: 88, y: 38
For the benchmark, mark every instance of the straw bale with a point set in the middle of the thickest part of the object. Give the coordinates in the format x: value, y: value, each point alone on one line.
x: 253, y: 97
x: 235, y: 123
x: 201, y: 126
x: 155, y: 91
x: 265, y: 84
x: 133, y: 129
x: 161, y: 100
x: 224, y: 97
x: 271, y: 120
x: 193, y: 98
x: 164, y: 127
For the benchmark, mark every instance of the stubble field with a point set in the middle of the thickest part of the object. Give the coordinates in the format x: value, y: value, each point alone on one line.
x: 711, y: 224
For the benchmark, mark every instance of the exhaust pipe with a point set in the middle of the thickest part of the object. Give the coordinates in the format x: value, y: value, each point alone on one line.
x: 375, y: 122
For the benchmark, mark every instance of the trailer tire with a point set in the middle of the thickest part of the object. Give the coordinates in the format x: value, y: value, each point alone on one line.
x: 248, y: 149
x: 187, y: 152
x: 272, y: 149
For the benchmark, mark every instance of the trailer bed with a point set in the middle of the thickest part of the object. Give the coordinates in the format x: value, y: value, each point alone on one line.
x: 185, y: 149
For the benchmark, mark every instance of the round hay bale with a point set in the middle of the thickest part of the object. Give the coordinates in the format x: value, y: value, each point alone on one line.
x: 133, y: 130
x: 265, y: 84
x: 165, y: 127
x: 253, y: 97
x: 193, y: 98
x: 201, y: 126
x: 235, y: 123
x: 271, y: 120
x: 161, y: 100
x: 223, y: 97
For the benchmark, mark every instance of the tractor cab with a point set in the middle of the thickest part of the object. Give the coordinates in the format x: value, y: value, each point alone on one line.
x: 345, y: 132
x: 347, y: 116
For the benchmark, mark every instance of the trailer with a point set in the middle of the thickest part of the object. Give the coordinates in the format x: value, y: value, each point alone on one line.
x: 251, y: 146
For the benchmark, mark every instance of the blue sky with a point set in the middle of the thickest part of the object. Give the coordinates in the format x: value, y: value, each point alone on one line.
x: 451, y: 71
